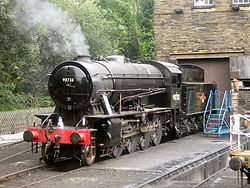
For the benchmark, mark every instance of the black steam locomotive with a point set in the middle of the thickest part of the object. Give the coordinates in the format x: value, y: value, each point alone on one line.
x: 110, y: 105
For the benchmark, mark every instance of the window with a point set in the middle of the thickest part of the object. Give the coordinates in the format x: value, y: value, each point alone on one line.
x: 241, y: 1
x: 206, y: 2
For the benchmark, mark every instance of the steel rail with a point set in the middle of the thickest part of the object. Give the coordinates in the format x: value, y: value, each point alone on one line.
x: 20, y: 173
x: 50, y: 178
x: 16, y: 154
x: 210, y: 177
x: 6, y: 145
x: 26, y: 171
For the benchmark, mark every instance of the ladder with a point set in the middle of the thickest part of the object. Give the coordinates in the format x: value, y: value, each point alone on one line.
x: 216, y: 115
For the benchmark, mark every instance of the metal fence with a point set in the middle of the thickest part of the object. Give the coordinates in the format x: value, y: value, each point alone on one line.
x: 17, y: 121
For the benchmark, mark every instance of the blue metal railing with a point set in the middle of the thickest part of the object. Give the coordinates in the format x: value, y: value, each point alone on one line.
x: 216, y: 122
x: 208, y: 107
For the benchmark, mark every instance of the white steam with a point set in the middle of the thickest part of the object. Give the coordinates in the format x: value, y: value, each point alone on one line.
x: 33, y: 13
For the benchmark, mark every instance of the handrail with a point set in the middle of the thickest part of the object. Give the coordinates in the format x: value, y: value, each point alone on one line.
x: 214, y: 124
x: 217, y: 98
x: 225, y: 105
x: 209, y: 101
x: 224, y: 102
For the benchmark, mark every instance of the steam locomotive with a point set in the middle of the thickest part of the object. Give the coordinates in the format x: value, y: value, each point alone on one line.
x: 110, y: 105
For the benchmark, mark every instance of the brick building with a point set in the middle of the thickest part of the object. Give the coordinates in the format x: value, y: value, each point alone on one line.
x: 214, y: 34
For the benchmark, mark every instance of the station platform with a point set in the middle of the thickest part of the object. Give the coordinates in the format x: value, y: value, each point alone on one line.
x: 171, y: 154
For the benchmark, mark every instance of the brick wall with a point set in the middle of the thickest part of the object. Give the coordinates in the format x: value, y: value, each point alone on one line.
x: 215, y: 30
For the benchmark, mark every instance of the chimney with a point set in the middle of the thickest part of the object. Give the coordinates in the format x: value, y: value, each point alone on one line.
x: 84, y: 58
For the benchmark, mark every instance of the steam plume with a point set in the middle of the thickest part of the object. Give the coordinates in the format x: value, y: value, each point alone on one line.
x: 33, y: 13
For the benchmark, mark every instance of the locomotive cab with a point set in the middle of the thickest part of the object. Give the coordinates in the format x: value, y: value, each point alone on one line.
x: 172, y: 82
x: 194, y: 89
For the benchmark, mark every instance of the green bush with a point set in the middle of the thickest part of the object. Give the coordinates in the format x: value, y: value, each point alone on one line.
x: 45, y: 101
x: 9, y: 100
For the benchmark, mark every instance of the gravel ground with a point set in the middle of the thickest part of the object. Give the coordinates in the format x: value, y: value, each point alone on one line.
x: 98, y: 178
x: 10, y: 138
x: 18, y: 162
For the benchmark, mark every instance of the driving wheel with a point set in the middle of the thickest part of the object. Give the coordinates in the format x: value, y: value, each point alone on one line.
x: 131, y: 144
x: 157, y: 133
x: 117, y: 151
x: 143, y: 141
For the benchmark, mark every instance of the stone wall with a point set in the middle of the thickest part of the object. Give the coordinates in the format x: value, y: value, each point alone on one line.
x: 241, y: 101
x: 218, y: 29
x: 240, y: 67
x: 240, y: 97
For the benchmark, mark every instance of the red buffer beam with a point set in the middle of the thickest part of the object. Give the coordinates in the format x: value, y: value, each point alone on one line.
x: 82, y: 137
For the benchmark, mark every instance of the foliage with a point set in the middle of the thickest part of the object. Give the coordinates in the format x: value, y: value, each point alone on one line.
x: 24, y: 61
x: 15, y: 101
x: 133, y: 34
x: 28, y: 51
x: 146, y: 21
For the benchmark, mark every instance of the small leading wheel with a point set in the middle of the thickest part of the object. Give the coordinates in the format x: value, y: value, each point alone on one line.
x: 88, y: 155
x: 117, y: 151
x: 143, y: 141
x: 48, y: 154
x: 131, y: 144
x: 157, y: 133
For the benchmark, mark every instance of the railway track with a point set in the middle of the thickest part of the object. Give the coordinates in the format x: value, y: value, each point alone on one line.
x: 20, y: 173
x: 16, y: 154
x: 224, y: 178
x: 16, y: 158
x: 196, y: 165
x: 25, y: 174
x: 39, y: 182
x: 209, y: 178
x: 10, y: 144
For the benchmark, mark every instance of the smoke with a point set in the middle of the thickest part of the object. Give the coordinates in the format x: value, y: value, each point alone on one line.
x: 35, y: 13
